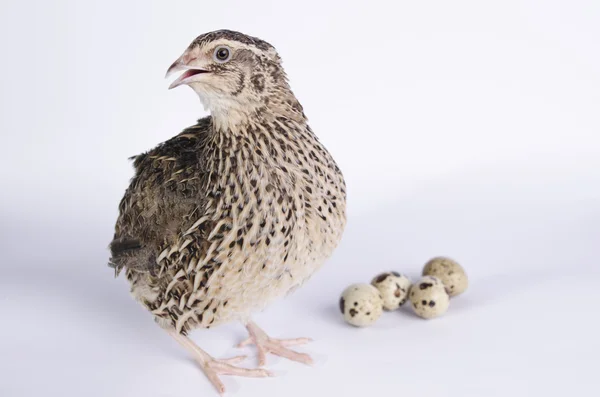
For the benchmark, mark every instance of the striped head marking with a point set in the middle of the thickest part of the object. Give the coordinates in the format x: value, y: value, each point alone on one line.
x: 231, y: 72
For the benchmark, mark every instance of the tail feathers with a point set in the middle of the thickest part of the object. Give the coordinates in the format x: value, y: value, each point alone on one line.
x: 119, y: 247
x: 130, y: 253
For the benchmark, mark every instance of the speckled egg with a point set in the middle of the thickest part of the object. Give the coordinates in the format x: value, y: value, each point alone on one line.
x: 393, y: 287
x: 361, y: 305
x: 429, y: 298
x: 450, y: 272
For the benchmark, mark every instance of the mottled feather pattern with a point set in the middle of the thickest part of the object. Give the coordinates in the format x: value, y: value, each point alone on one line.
x: 233, y: 221
x: 230, y: 214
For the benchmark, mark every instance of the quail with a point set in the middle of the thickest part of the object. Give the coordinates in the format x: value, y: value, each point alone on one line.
x: 233, y: 212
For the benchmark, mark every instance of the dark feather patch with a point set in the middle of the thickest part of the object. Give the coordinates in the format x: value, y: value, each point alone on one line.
x: 122, y: 246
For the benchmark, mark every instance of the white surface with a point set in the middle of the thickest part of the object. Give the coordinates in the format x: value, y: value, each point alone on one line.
x: 463, y: 128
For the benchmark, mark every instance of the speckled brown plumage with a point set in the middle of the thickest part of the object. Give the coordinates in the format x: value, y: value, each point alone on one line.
x: 237, y: 210
x: 203, y: 190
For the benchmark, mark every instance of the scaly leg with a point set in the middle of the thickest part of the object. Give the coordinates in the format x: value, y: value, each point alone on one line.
x: 213, y: 367
x: 266, y: 345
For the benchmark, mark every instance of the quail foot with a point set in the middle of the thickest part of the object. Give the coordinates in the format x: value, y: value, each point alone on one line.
x: 265, y: 344
x: 213, y: 367
x: 235, y: 211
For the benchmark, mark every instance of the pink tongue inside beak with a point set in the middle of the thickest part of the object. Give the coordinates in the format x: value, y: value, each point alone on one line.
x: 190, y: 73
x: 185, y: 75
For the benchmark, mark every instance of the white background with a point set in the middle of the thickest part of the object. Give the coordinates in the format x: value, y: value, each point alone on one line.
x: 464, y: 128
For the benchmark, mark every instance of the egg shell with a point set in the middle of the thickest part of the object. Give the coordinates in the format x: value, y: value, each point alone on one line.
x: 449, y: 272
x: 361, y: 304
x: 393, y: 287
x: 428, y: 297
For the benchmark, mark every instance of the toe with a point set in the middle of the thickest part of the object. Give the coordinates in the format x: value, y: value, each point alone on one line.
x: 214, y: 379
x: 295, y: 342
x: 246, y: 342
x: 262, y: 357
x: 293, y: 355
x: 235, y: 360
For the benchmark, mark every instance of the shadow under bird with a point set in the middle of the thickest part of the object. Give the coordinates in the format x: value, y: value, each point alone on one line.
x: 233, y: 212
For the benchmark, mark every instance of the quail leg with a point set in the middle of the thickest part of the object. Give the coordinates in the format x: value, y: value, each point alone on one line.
x: 213, y: 367
x: 266, y: 344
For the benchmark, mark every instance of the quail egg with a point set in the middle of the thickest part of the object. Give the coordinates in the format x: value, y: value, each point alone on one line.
x: 393, y: 287
x: 361, y: 305
x: 449, y: 272
x: 429, y: 298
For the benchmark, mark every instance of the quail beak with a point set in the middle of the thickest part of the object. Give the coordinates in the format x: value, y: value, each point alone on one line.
x: 189, y: 71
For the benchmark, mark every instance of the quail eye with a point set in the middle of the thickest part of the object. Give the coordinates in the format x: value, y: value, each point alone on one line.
x: 222, y: 54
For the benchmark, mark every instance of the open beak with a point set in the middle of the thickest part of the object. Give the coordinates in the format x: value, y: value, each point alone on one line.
x: 189, y: 71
